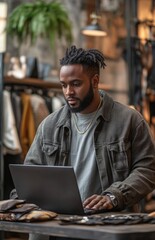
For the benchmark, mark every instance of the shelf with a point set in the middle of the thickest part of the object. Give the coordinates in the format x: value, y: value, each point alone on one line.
x: 33, y: 82
x: 41, y: 83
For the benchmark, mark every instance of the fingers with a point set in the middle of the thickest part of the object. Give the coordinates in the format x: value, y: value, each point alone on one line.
x: 98, y: 202
x: 89, y: 200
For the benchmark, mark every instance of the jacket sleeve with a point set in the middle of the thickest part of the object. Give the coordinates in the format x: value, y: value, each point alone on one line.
x: 141, y: 179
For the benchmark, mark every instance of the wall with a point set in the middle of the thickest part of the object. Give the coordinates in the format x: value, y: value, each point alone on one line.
x: 115, y: 74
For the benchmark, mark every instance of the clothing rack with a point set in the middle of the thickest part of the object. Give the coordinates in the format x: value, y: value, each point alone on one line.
x: 32, y: 82
x: 42, y: 84
x: 13, y: 83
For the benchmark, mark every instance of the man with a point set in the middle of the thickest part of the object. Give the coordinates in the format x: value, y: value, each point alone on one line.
x: 109, y: 144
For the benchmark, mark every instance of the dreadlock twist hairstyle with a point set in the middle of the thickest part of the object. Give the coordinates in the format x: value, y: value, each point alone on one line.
x: 91, y: 59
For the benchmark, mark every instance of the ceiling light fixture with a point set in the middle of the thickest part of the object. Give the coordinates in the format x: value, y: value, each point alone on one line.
x: 94, y: 29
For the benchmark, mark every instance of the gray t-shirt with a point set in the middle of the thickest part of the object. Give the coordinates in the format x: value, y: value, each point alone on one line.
x: 82, y: 157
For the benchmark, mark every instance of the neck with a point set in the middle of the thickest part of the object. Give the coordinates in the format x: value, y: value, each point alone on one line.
x: 75, y: 119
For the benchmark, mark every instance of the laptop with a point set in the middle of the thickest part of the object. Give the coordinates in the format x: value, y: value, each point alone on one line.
x: 52, y: 188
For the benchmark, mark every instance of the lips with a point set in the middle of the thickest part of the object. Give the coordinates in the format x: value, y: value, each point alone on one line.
x: 72, y: 101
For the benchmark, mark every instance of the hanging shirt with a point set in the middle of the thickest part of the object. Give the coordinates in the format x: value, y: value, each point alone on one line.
x: 11, y: 140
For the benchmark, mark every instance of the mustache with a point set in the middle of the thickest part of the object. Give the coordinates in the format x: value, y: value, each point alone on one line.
x: 71, y: 98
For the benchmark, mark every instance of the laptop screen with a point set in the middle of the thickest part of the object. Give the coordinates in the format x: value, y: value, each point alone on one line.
x: 52, y: 188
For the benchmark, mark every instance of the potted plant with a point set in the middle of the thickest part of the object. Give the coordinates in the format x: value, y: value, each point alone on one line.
x: 39, y: 19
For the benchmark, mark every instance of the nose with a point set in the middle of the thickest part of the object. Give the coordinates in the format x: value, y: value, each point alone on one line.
x: 69, y: 90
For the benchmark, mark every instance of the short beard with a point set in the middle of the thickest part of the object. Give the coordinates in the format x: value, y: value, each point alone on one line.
x: 85, y: 102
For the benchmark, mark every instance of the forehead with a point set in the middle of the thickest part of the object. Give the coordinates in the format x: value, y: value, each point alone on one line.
x: 74, y: 70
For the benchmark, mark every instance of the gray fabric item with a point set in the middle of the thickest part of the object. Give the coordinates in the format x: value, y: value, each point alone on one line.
x: 83, y: 158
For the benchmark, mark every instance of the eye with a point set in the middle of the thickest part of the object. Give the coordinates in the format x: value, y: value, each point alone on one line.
x: 63, y: 85
x: 76, y: 84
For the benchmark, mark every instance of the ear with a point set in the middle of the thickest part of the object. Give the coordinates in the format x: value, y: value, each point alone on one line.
x: 95, y: 81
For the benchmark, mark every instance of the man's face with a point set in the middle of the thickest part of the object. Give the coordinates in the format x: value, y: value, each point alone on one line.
x: 77, y: 87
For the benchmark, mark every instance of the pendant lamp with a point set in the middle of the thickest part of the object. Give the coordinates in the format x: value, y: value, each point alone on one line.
x: 94, y: 29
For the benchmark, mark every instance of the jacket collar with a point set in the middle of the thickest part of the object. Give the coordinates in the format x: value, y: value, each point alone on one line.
x: 107, y: 105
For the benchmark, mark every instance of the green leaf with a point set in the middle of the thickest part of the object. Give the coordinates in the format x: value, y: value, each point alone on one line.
x: 39, y: 19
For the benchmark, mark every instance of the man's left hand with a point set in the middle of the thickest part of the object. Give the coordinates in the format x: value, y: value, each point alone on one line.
x: 98, y: 202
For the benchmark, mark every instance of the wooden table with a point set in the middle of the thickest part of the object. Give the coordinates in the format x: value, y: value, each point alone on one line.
x: 106, y: 232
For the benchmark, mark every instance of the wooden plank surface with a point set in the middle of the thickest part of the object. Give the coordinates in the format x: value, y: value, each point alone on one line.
x: 109, y: 232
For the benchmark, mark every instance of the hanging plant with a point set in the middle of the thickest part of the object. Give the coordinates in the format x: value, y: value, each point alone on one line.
x: 29, y: 21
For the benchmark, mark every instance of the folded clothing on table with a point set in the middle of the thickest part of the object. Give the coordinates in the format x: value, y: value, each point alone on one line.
x: 19, y: 210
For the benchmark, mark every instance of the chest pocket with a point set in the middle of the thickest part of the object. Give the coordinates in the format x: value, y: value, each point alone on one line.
x: 120, y: 155
x: 51, y: 153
